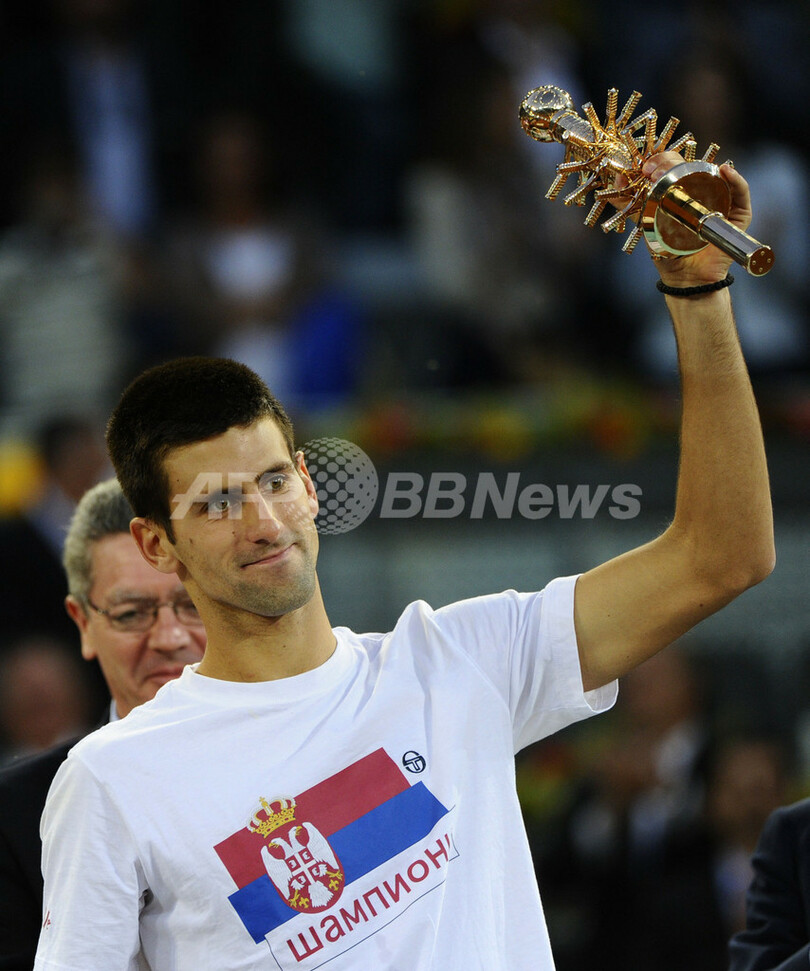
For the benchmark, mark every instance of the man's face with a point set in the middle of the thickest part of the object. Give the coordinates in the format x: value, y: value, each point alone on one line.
x: 134, y: 663
x: 245, y: 534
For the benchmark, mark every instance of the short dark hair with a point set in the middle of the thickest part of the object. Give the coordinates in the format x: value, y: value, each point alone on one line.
x: 188, y: 400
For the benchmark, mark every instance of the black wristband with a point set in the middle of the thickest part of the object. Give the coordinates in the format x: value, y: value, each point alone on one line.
x: 694, y: 291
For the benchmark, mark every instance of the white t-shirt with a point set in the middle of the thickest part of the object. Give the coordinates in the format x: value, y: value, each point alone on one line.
x: 362, y: 815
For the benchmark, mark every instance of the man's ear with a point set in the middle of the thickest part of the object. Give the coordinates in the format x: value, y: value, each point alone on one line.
x: 309, y: 485
x: 154, y: 546
x: 79, y: 617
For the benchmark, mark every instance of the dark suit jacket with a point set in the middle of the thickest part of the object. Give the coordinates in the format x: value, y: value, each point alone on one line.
x: 777, y: 931
x: 23, y: 788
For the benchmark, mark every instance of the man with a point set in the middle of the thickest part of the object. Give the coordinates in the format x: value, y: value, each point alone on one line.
x: 777, y: 921
x: 309, y: 796
x: 142, y: 628
x: 44, y: 698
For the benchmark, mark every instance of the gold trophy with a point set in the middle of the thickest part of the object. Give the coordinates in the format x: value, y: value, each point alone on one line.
x: 677, y: 215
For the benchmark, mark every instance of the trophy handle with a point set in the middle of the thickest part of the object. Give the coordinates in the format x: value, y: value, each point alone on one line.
x: 677, y: 215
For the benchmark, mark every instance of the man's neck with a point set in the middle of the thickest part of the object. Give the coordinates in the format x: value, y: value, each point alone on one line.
x: 251, y: 648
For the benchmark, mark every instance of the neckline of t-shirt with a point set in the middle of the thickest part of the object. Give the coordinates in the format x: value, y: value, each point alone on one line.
x: 281, y: 691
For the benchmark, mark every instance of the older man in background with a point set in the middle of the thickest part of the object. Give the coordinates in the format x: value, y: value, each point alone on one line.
x: 143, y: 629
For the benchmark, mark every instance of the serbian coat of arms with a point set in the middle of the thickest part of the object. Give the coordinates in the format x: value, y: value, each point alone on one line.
x: 301, y: 864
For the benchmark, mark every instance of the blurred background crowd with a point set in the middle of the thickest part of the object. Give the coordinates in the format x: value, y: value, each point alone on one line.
x: 339, y: 193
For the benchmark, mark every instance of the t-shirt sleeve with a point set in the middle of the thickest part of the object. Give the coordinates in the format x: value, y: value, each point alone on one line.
x: 525, y: 643
x: 94, y: 885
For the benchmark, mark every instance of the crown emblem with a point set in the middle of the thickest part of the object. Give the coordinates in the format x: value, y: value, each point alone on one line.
x: 271, y: 816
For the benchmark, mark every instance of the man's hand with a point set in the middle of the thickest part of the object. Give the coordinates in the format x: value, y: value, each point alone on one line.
x: 709, y: 264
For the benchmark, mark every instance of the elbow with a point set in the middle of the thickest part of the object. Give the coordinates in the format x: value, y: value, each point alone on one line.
x: 766, y: 565
x: 750, y: 569
x: 724, y: 569
x: 730, y: 561
x: 761, y: 560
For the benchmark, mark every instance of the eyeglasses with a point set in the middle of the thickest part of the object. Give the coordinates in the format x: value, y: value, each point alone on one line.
x: 142, y: 618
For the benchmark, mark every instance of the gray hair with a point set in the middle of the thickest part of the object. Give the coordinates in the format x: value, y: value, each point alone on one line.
x: 102, y: 511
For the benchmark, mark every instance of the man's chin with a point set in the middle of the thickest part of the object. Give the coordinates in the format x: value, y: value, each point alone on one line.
x: 274, y: 604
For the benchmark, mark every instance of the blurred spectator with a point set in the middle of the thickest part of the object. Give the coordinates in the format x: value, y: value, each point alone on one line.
x: 110, y: 79
x: 609, y: 835
x: 652, y: 777
x: 492, y: 251
x: 772, y: 40
x: 62, y: 343
x: 44, y: 697
x: 654, y: 38
x: 694, y: 901
x: 712, y: 94
x: 31, y: 576
x: 110, y: 110
x: 251, y: 272
x: 538, y: 42
x: 532, y: 43
x: 355, y: 56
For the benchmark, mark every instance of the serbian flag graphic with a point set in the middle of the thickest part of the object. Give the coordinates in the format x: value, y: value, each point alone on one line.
x: 299, y: 851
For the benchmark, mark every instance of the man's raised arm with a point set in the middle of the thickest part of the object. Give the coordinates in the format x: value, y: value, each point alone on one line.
x: 720, y: 541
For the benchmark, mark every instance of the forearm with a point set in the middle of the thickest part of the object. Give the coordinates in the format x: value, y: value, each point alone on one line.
x: 723, y: 507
